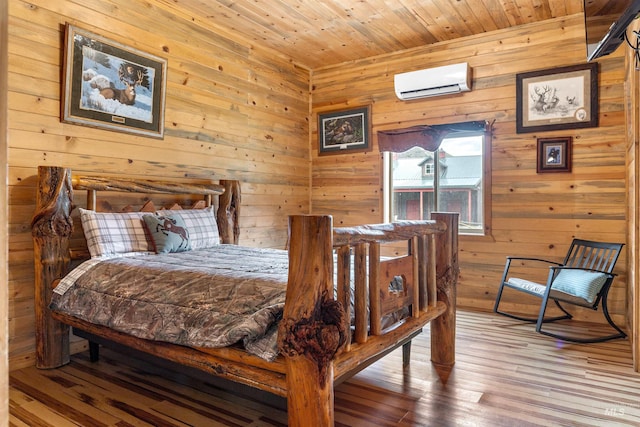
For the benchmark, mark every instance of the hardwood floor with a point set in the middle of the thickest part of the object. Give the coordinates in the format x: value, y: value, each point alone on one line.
x: 505, y: 375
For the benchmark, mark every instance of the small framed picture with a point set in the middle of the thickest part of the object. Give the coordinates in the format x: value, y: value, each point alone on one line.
x: 554, y: 154
x: 345, y: 130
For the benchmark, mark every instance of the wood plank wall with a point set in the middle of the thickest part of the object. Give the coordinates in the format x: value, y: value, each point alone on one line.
x: 532, y: 214
x: 232, y: 111
x: 632, y: 97
x: 4, y: 291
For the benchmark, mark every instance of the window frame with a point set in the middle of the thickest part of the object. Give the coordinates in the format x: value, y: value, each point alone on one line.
x: 486, y: 193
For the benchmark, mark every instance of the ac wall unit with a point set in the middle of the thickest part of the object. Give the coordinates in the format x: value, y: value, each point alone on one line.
x: 433, y: 81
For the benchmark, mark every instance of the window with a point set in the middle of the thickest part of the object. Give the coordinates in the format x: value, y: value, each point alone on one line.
x: 454, y: 178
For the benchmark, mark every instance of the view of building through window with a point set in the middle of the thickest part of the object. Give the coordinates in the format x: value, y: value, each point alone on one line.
x: 453, y: 183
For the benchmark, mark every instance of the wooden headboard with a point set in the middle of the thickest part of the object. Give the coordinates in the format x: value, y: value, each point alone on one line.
x: 224, y: 195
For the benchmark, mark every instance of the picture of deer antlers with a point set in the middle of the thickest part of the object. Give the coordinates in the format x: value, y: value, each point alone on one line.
x: 549, y: 99
x: 130, y: 76
x: 545, y: 98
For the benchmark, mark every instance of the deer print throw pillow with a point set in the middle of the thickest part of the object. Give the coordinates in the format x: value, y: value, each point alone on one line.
x: 203, y: 229
x: 168, y: 233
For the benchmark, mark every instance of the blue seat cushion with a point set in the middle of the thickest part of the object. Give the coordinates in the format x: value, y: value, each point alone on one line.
x: 580, y: 283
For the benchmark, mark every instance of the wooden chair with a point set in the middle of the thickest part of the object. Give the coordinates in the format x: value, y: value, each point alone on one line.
x: 583, y: 278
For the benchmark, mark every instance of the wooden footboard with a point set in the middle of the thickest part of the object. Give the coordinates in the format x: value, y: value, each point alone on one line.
x: 314, y: 335
x: 320, y: 340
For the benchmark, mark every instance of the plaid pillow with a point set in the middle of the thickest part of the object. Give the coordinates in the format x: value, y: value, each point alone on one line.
x: 201, y: 223
x: 114, y: 234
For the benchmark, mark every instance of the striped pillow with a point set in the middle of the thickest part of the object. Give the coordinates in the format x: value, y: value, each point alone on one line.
x: 114, y: 234
x: 580, y: 283
x: 201, y: 223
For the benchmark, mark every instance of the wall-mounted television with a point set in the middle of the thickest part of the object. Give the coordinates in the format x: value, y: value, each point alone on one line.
x: 606, y: 22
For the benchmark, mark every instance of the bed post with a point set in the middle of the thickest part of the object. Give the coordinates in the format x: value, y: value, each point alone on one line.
x: 51, y: 229
x: 443, y: 328
x: 314, y: 326
x: 228, y: 213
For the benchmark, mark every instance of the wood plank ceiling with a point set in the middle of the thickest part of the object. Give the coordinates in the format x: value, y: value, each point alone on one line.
x: 317, y: 33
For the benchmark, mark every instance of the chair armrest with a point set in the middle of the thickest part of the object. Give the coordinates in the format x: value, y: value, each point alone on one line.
x: 507, y: 266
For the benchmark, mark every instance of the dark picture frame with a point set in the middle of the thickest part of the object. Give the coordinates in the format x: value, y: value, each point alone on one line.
x: 557, y: 98
x: 554, y: 154
x: 111, y: 86
x: 345, y: 130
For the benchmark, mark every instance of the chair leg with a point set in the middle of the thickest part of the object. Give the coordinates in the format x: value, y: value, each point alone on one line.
x: 583, y: 340
x: 496, y: 305
x: 543, y: 309
x: 496, y: 309
x: 517, y: 317
x: 502, y: 282
x: 605, y: 311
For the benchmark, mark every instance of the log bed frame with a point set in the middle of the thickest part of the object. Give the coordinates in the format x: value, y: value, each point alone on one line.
x: 318, y: 348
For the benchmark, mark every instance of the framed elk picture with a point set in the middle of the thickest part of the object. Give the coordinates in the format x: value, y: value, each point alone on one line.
x: 111, y: 86
x: 558, y: 98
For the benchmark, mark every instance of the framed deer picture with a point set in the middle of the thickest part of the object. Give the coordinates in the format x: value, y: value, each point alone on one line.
x: 558, y: 98
x: 111, y: 86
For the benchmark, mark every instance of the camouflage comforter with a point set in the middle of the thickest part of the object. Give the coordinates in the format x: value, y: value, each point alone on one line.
x: 205, y: 298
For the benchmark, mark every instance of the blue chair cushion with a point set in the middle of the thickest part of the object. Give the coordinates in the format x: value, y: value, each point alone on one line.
x: 580, y: 283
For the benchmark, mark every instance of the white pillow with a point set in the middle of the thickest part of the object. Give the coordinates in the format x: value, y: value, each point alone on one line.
x: 580, y: 283
x: 201, y: 223
x: 114, y: 234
